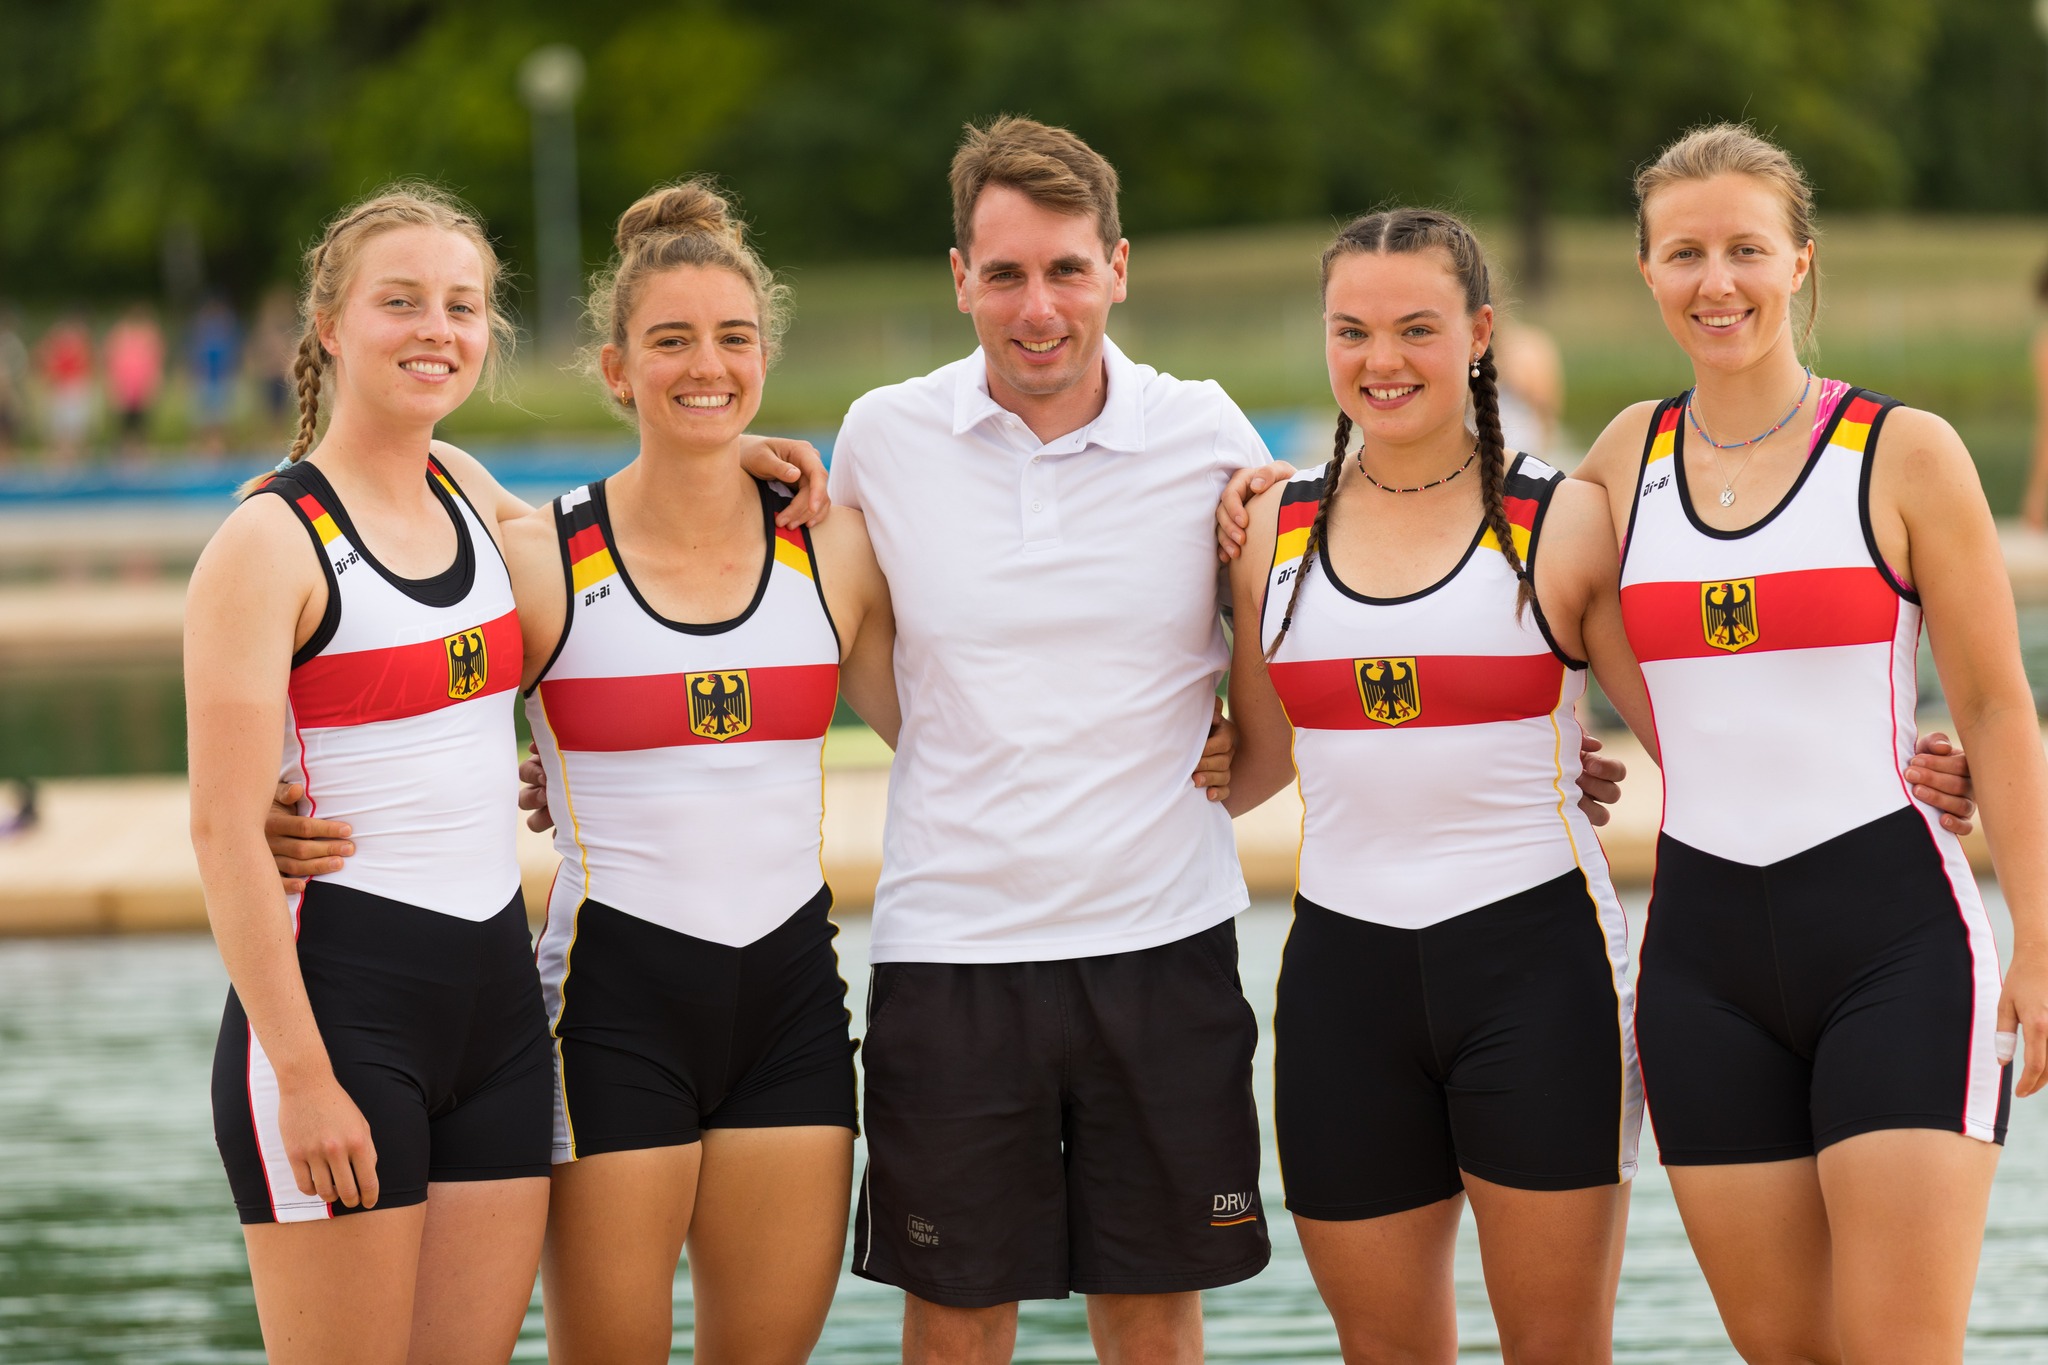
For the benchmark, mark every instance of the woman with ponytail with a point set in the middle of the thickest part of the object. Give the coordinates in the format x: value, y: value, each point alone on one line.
x: 1824, y: 1029
x: 381, y: 1081
x: 1413, y: 622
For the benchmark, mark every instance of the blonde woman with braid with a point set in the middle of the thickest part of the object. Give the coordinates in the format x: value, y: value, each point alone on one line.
x: 1454, y: 1011
x: 381, y: 1082
x: 1826, y: 1036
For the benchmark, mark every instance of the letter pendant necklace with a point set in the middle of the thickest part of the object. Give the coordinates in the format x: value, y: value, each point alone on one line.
x: 1727, y: 479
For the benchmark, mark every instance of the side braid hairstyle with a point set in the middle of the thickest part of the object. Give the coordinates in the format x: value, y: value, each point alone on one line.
x: 1493, y: 477
x: 330, y: 265
x: 1405, y: 231
x: 1318, y: 527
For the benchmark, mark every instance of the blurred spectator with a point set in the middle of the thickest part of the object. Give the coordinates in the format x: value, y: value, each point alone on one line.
x: 64, y: 363
x: 1531, y: 378
x: 216, y: 346
x: 135, y: 373
x: 2034, y: 502
x: 13, y: 385
x: 272, y: 350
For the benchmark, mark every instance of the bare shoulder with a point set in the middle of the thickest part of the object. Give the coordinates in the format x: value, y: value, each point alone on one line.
x: 1614, y: 456
x: 530, y: 539
x: 465, y: 468
x: 262, y: 533
x: 843, y: 536
x: 1577, y: 529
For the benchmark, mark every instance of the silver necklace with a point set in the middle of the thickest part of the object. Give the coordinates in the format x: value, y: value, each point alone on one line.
x: 1728, y: 480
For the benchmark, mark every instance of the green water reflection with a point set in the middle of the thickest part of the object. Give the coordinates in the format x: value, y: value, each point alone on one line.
x: 118, y: 1242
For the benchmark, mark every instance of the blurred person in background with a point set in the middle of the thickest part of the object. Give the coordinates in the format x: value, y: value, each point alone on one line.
x: 213, y: 356
x: 135, y: 373
x: 271, y: 348
x: 14, y: 381
x: 64, y: 365
x: 1531, y: 381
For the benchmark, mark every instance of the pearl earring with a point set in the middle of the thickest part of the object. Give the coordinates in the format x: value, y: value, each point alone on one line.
x: 1475, y: 369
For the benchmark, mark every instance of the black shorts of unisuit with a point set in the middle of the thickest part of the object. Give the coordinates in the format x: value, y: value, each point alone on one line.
x: 1495, y: 1043
x: 435, y: 1029
x: 1849, y: 988
x: 1043, y: 1128
x: 662, y: 1035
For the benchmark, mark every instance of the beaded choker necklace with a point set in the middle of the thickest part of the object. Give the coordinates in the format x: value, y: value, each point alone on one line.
x: 1421, y: 486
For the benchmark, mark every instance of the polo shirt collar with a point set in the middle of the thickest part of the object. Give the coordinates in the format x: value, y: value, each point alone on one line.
x: 1119, y: 426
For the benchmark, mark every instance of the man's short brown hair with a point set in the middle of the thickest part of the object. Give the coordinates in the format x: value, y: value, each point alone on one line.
x: 1049, y: 166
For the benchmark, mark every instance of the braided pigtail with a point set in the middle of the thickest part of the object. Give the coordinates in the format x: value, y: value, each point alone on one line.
x: 1316, y: 528
x: 1493, y: 475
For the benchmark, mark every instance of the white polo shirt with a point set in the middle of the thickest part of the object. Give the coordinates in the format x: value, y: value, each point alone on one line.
x: 1057, y: 649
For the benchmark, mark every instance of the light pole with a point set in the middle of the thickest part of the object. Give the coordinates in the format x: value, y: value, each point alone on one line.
x: 550, y: 79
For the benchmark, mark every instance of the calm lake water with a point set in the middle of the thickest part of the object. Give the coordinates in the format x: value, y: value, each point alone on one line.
x: 118, y: 1242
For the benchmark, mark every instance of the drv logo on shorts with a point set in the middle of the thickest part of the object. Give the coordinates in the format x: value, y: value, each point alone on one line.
x: 1228, y: 1210
x: 923, y: 1232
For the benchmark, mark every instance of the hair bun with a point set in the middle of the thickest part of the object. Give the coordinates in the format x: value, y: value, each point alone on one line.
x: 692, y: 206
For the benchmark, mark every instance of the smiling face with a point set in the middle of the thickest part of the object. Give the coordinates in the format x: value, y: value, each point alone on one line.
x: 1724, y: 268
x: 412, y: 331
x: 1039, y: 287
x: 1400, y: 344
x: 693, y: 358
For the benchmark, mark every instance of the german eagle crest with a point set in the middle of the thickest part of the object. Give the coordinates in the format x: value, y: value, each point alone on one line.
x: 720, y: 703
x: 1387, y: 689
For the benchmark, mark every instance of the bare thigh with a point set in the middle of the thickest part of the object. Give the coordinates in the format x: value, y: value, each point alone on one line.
x: 1387, y: 1282
x: 478, y: 1255
x: 337, y: 1291
x: 1146, y: 1329
x: 1552, y: 1260
x: 766, y: 1240
x: 616, y: 1225
x: 1760, y: 1232
x: 1907, y: 1210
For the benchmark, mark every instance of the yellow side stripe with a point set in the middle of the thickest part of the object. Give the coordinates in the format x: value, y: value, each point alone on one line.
x: 1490, y: 541
x: 593, y: 568
x: 324, y: 524
x: 793, y: 556
x: 1851, y: 436
x: 1662, y: 447
x: 1292, y: 545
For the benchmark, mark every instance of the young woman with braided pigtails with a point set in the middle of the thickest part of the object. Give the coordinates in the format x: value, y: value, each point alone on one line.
x: 381, y: 1083
x: 1454, y: 1008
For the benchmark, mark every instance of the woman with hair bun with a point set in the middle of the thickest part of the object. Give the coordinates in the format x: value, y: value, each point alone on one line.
x: 380, y: 1085
x: 685, y: 657
x: 1825, y: 1035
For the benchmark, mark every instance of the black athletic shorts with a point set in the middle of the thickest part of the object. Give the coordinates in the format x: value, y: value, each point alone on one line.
x: 1041, y: 1128
x: 1849, y: 988
x: 662, y: 1035
x: 1496, y: 1042
x: 434, y: 1027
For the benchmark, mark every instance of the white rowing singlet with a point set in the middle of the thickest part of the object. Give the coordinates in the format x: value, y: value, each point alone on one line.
x: 686, y: 761
x: 1433, y: 733
x: 400, y: 714
x: 1789, y: 643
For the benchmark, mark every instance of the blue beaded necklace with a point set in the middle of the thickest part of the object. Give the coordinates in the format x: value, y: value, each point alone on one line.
x: 1728, y: 480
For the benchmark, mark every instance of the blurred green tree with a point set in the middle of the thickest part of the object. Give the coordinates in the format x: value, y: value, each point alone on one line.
x: 128, y: 127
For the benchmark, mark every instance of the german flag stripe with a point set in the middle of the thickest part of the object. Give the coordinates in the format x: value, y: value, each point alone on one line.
x: 1666, y: 439
x: 1454, y: 689
x: 368, y: 685
x: 1853, y: 431
x: 611, y: 715
x: 441, y: 477
x: 1800, y: 609
x: 1521, y: 512
x: 590, y: 559
x: 791, y: 551
x: 323, y: 525
x: 1519, y: 530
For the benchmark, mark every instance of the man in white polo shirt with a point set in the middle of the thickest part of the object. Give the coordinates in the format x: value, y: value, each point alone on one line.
x: 1058, y: 1053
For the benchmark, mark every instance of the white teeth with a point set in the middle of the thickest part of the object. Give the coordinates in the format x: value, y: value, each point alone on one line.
x: 1389, y: 395
x: 1721, y: 319
x: 1041, y: 347
x: 705, y: 400
x: 428, y: 366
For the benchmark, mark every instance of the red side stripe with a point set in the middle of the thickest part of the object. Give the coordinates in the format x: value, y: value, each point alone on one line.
x: 1669, y: 421
x: 586, y: 543
x: 1801, y: 609
x: 1296, y: 516
x: 1454, y: 689
x: 1861, y: 410
x: 611, y: 715
x: 369, y: 685
x: 1521, y: 511
x: 792, y: 535
x: 311, y: 506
